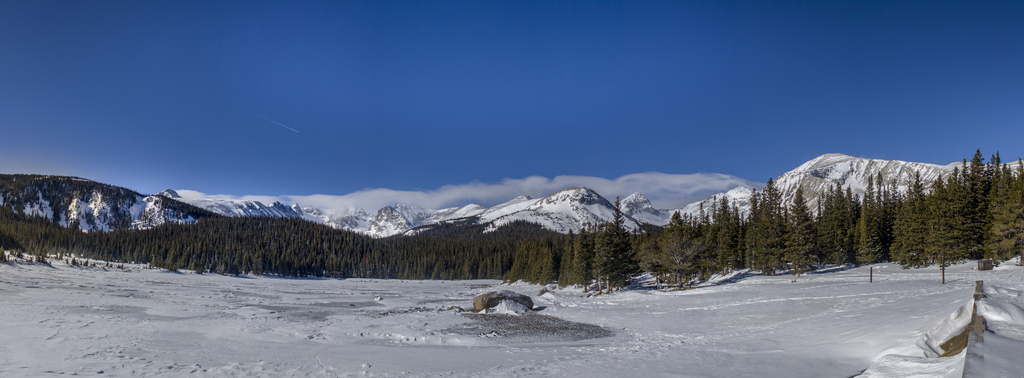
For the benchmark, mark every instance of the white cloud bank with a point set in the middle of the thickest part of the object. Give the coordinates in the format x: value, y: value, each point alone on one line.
x: 666, y: 191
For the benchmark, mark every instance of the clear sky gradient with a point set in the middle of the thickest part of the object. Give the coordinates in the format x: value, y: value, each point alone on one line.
x: 276, y: 98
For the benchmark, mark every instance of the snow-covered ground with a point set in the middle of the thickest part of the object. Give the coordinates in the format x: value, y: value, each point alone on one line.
x: 138, y: 322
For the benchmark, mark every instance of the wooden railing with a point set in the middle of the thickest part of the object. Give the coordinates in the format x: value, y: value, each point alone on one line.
x: 958, y: 343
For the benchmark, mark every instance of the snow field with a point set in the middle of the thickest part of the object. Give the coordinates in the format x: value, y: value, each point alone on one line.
x: 141, y: 322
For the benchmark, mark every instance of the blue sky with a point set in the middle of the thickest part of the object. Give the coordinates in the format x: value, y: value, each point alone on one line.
x: 276, y: 98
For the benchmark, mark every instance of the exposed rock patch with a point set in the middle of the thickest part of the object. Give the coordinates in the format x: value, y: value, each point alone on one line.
x: 492, y: 299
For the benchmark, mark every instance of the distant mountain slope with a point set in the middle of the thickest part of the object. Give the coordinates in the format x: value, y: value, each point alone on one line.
x: 639, y: 208
x: 231, y: 208
x: 397, y: 219
x: 563, y: 211
x: 91, y: 205
x: 823, y: 172
x: 819, y: 174
x: 738, y: 197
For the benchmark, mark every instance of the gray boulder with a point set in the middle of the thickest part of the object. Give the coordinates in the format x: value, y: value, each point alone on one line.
x: 488, y: 300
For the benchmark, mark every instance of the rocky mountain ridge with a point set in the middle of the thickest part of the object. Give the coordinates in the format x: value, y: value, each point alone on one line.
x: 92, y: 206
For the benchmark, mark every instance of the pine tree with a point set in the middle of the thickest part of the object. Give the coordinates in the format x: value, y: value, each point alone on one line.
x: 727, y: 232
x: 869, y: 249
x: 766, y: 230
x: 614, y: 257
x: 1005, y: 235
x: 837, y: 225
x: 551, y: 257
x: 565, y: 266
x: 910, y: 232
x: 583, y: 259
x: 946, y: 238
x: 890, y: 200
x: 651, y: 257
x: 603, y: 259
x: 975, y: 210
x: 801, y: 239
x: 680, y: 244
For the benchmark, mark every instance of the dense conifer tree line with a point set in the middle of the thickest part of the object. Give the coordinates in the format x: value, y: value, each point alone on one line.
x: 977, y: 211
x: 281, y: 246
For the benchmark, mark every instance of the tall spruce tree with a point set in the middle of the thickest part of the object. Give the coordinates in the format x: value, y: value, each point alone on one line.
x: 869, y: 246
x: 728, y: 233
x: 603, y: 259
x: 614, y: 258
x: 837, y: 226
x: 801, y: 239
x: 766, y: 230
x: 910, y: 231
x: 1005, y: 235
x: 565, y: 266
x: 946, y: 216
x: 706, y: 260
x: 977, y: 181
x: 890, y: 200
x: 583, y: 259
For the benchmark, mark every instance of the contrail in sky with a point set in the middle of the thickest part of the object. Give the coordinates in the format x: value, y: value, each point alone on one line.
x: 278, y: 123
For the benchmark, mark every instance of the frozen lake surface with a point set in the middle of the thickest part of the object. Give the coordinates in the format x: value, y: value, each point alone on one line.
x: 140, y: 322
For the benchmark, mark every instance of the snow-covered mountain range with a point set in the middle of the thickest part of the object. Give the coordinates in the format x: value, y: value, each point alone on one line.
x: 562, y: 211
x: 574, y: 208
x: 99, y: 207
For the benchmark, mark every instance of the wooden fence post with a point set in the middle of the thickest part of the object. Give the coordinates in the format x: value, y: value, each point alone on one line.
x: 978, y: 322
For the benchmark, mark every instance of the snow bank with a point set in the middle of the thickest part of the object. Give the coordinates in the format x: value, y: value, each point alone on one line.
x: 999, y: 354
x: 925, y: 362
x: 996, y: 356
x: 951, y: 326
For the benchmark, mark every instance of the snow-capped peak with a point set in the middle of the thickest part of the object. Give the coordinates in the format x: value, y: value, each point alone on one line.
x: 393, y: 220
x: 566, y: 210
x: 579, y: 194
x: 634, y: 203
x: 169, y: 193
x: 640, y: 208
x: 824, y: 161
